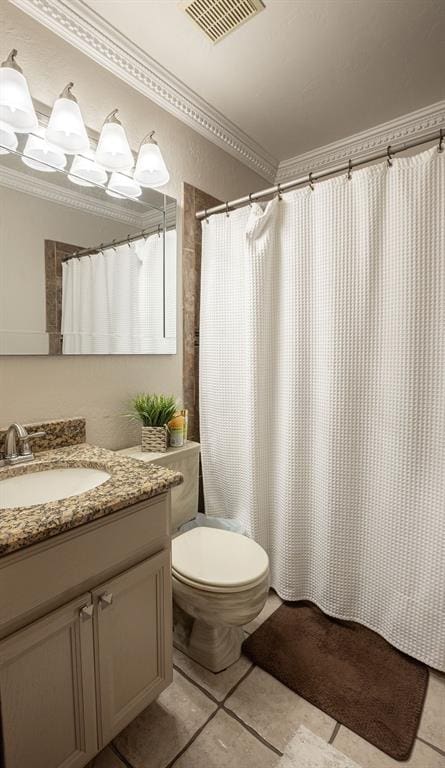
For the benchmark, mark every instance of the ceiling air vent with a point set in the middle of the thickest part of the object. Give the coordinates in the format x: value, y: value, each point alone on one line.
x: 217, y: 18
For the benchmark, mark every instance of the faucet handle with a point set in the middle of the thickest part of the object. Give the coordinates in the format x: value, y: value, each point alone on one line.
x: 30, y: 436
x: 25, y: 449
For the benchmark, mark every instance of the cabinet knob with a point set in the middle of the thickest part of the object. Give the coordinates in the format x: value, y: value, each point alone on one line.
x: 87, y: 611
x: 106, y: 599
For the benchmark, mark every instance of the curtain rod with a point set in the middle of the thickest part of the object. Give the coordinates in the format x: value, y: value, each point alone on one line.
x: 114, y: 243
x: 310, y: 178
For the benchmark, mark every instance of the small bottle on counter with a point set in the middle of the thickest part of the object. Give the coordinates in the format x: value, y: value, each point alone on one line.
x: 176, y: 430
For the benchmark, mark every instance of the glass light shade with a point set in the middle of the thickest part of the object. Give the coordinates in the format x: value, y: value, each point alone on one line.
x: 16, y: 107
x: 151, y: 170
x: 8, y: 139
x: 113, y: 151
x: 86, y: 172
x: 66, y: 128
x: 123, y: 186
x: 37, y: 149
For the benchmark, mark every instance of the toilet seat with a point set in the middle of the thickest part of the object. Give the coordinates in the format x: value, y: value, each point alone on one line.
x: 215, y: 560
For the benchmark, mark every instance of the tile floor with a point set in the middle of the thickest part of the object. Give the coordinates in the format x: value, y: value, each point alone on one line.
x: 244, y: 718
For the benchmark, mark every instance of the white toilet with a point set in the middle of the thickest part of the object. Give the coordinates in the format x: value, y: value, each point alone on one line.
x: 220, y: 578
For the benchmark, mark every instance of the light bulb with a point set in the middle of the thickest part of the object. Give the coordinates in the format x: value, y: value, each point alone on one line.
x: 16, y: 107
x: 121, y: 185
x: 41, y: 155
x: 113, y: 150
x: 8, y: 139
x: 150, y: 170
x: 86, y: 172
x: 66, y: 128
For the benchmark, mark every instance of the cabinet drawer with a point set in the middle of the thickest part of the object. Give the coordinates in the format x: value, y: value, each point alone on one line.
x: 35, y: 580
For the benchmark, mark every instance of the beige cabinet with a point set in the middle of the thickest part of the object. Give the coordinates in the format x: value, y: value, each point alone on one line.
x: 70, y: 681
x: 132, y: 630
x: 47, y: 690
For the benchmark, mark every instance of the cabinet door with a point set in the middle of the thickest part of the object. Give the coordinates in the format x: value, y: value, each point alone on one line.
x: 47, y: 690
x: 133, y: 641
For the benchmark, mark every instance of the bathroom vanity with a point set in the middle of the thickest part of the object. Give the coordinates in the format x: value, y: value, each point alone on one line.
x: 85, y: 609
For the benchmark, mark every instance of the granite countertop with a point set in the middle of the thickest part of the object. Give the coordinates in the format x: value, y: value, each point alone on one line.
x: 131, y: 481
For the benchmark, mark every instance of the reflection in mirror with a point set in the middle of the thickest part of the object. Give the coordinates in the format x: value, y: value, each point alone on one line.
x: 83, y: 271
x: 112, y: 298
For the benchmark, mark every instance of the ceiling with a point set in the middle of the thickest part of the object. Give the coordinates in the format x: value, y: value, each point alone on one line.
x: 302, y: 73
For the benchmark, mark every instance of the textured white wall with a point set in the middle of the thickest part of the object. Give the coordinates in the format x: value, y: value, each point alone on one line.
x: 33, y: 388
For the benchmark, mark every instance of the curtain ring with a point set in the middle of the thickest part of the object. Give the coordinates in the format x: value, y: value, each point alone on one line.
x: 145, y: 235
x: 279, y: 195
x: 206, y: 218
x: 440, y: 147
x: 311, y: 183
x: 250, y: 199
x: 227, y: 208
x: 159, y: 230
x: 389, y: 156
x: 349, y: 169
x: 114, y: 245
x: 128, y: 241
x: 101, y: 249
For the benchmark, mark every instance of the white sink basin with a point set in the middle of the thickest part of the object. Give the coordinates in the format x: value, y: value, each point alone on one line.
x: 50, y: 485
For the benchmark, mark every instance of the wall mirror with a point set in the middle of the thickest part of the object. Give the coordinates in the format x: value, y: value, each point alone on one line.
x: 84, y: 267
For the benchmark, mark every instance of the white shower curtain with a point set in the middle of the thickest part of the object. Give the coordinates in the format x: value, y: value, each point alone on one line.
x: 322, y: 393
x: 113, y: 301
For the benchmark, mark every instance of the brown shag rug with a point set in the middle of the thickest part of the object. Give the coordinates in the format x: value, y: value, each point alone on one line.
x: 348, y: 671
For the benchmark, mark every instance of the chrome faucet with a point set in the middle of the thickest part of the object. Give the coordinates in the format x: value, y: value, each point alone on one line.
x: 17, y: 449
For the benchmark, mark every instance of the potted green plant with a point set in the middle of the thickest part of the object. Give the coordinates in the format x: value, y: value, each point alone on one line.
x: 154, y: 412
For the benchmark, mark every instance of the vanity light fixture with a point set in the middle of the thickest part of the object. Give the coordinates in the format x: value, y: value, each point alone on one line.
x: 16, y: 107
x: 46, y: 149
x: 8, y: 139
x: 150, y: 170
x: 113, y: 150
x: 41, y: 155
x: 86, y: 172
x: 66, y: 128
x: 121, y: 185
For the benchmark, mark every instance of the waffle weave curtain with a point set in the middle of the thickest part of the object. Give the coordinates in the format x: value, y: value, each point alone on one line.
x: 322, y: 387
x: 113, y: 300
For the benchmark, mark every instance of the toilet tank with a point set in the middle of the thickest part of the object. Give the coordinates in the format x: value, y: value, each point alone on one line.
x: 184, y: 497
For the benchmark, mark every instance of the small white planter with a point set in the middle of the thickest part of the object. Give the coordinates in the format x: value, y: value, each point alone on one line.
x: 154, y: 439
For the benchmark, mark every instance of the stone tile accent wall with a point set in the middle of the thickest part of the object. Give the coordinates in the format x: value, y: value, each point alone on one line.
x: 194, y: 200
x: 55, y: 252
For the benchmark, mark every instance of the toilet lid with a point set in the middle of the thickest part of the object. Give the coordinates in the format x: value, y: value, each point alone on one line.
x: 212, y: 557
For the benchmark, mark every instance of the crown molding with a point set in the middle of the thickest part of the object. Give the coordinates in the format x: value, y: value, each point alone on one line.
x: 46, y: 190
x: 86, y: 30
x: 83, y: 28
x: 408, y: 127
